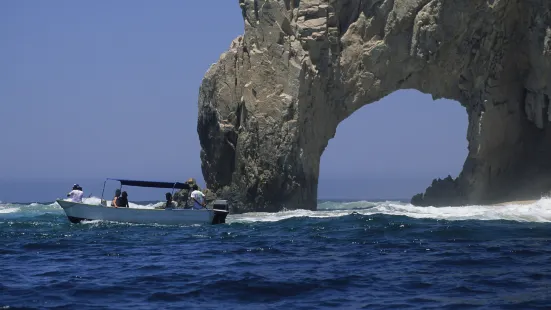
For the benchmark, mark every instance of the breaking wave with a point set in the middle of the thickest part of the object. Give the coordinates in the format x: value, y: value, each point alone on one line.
x: 538, y: 211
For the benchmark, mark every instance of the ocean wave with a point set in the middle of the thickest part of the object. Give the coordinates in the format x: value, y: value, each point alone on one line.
x: 8, y: 210
x: 539, y: 211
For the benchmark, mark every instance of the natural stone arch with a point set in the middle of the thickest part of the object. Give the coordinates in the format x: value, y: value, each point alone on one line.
x: 269, y: 106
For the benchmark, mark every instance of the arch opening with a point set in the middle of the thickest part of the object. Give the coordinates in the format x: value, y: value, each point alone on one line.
x: 394, y: 148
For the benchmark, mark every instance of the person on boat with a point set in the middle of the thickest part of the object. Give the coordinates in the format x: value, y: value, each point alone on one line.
x: 198, y: 198
x: 170, y: 204
x: 117, y: 195
x: 182, y: 197
x: 76, y: 194
x: 122, y: 201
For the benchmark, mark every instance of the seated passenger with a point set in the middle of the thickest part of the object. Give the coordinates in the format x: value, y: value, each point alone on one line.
x: 117, y: 195
x: 122, y: 201
x: 198, y: 198
x: 170, y: 204
x: 76, y: 194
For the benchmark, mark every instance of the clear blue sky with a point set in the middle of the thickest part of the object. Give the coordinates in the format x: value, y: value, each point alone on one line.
x: 95, y: 89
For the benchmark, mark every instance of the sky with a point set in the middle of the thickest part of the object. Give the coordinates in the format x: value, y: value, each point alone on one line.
x: 97, y: 89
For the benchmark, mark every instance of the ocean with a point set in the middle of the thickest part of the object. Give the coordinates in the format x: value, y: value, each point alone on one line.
x: 346, y: 255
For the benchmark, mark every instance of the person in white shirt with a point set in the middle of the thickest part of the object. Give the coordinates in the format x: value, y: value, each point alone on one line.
x: 198, y: 198
x: 76, y: 194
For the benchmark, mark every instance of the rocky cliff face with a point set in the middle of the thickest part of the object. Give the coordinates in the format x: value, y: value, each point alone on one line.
x: 268, y: 108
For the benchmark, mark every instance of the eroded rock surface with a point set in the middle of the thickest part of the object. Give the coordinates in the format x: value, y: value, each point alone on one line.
x: 268, y: 108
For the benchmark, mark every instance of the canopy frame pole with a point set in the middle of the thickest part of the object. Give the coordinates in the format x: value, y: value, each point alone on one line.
x: 103, y: 190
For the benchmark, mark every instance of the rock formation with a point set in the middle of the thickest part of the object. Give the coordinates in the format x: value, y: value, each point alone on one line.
x: 268, y: 108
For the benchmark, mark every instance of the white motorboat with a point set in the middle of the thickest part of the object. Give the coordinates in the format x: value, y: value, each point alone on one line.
x: 77, y: 212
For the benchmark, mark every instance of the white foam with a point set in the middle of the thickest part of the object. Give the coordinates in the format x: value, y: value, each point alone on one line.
x: 92, y: 200
x: 540, y: 211
x: 9, y: 210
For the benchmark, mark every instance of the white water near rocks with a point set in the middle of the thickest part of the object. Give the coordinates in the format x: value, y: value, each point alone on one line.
x: 539, y: 211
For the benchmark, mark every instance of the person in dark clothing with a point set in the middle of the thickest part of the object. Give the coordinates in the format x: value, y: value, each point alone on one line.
x: 122, y: 201
x: 169, y: 203
x: 117, y: 195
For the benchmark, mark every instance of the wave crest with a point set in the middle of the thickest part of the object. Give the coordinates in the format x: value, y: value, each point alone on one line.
x: 539, y: 211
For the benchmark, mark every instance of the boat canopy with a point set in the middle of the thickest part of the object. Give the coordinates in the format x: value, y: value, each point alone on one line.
x: 155, y: 184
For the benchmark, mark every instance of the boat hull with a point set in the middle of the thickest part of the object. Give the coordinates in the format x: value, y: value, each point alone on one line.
x: 77, y: 212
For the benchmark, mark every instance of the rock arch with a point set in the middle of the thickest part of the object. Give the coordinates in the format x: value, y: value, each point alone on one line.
x: 269, y: 106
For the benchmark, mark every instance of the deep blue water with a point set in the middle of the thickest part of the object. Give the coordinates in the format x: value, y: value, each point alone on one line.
x: 358, y: 255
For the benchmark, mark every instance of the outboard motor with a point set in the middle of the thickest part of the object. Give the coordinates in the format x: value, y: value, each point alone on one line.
x: 220, y: 205
x: 221, y: 210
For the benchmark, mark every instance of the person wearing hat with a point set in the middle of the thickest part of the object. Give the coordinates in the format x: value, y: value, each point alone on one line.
x: 76, y: 194
x: 182, y: 197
